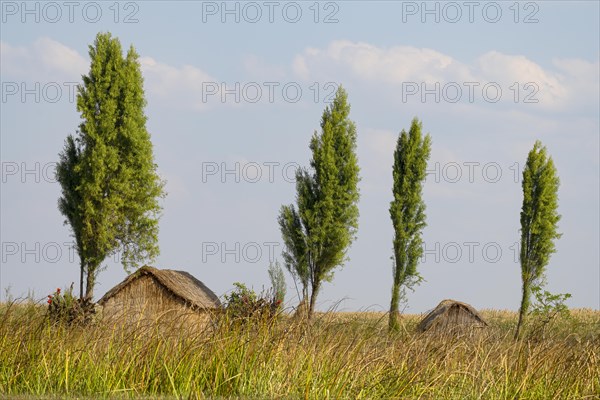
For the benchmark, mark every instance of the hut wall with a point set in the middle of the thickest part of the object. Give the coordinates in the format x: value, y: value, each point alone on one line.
x: 146, y: 301
x: 453, y: 318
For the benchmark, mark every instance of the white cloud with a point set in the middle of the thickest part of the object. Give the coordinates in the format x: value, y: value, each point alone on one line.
x: 175, y: 85
x: 51, y: 61
x: 582, y: 80
x: 554, y: 89
x: 506, y: 69
x: 300, y: 68
x: 571, y: 84
x: 392, y: 65
x: 45, y: 59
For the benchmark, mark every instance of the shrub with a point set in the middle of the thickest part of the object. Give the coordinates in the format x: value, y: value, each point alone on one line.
x: 64, y: 307
x: 546, y: 309
x: 278, y: 287
x: 245, y: 303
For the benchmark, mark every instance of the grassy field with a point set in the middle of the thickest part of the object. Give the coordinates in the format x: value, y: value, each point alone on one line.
x: 341, y: 355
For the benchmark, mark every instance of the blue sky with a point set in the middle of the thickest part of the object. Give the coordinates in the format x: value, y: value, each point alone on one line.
x: 486, y: 81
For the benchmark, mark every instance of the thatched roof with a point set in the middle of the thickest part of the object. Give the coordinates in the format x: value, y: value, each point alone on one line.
x: 179, y: 283
x: 451, y: 314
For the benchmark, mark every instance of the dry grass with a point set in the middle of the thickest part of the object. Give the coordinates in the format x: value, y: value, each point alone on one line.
x: 341, y: 355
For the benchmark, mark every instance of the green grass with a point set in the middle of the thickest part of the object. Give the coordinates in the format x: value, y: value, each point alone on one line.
x: 341, y: 355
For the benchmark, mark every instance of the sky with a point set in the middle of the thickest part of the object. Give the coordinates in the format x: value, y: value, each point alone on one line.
x: 236, y: 89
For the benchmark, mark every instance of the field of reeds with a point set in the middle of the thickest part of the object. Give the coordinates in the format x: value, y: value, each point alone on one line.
x: 337, y: 356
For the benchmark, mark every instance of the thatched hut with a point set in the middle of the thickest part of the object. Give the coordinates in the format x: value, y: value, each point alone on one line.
x: 150, y: 294
x: 449, y: 316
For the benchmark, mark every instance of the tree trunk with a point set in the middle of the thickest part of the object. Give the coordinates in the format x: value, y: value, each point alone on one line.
x: 523, y: 308
x: 313, y: 299
x: 90, y: 282
x: 394, y: 325
x: 81, y: 273
x: 302, y: 309
x: 305, y: 302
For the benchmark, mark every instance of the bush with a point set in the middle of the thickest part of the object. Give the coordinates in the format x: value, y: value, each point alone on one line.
x: 546, y: 309
x: 64, y: 307
x: 244, y: 303
x: 278, y: 286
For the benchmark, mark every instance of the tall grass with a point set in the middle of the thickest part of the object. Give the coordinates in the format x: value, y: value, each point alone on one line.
x: 339, y: 355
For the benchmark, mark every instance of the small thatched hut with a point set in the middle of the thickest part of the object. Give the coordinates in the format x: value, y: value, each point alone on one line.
x: 150, y: 294
x: 449, y: 316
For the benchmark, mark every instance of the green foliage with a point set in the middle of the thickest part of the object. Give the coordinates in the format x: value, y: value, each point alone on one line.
x: 539, y: 222
x: 547, y: 303
x: 407, y: 211
x: 243, y: 303
x: 110, y: 187
x: 546, y: 309
x: 65, y: 308
x: 68, y: 174
x: 295, y: 255
x: 277, y: 278
x: 318, y: 233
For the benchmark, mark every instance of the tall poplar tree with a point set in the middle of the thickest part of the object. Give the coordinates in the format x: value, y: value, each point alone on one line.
x: 318, y: 233
x: 110, y: 186
x: 407, y: 211
x: 539, y: 222
x: 67, y: 173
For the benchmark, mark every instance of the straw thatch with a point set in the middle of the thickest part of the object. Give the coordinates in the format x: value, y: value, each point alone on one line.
x: 153, y: 294
x: 451, y: 315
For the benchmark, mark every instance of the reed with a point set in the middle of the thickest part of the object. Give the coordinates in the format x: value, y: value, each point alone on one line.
x: 338, y: 356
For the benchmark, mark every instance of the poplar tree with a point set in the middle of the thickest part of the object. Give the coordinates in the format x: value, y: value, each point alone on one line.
x: 407, y: 211
x: 110, y: 186
x: 67, y: 174
x: 318, y: 231
x: 539, y: 222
